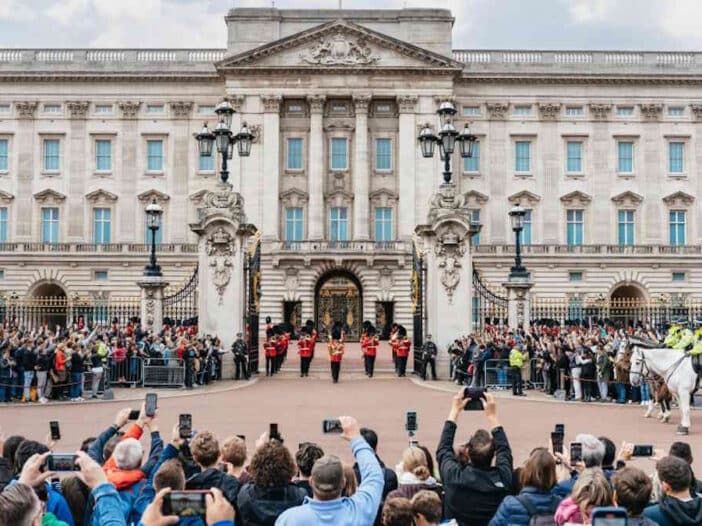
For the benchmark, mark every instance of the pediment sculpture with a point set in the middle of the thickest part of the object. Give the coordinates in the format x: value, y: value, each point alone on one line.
x: 220, y: 249
x: 450, y: 250
x: 447, y: 202
x: 340, y: 51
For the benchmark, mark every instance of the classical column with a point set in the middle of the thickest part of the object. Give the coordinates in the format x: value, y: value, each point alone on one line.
x: 77, y: 168
x: 25, y: 168
x: 131, y: 219
x: 315, y: 213
x: 361, y: 180
x: 271, y: 166
x: 406, y: 166
x: 182, y: 144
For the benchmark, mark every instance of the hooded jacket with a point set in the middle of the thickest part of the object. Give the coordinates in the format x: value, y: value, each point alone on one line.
x: 263, y: 506
x: 676, y: 512
x: 214, y: 478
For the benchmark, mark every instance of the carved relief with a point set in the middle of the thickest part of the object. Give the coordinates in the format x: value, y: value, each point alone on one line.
x: 316, y: 103
x: 576, y: 198
x: 600, y: 111
x: 651, y: 111
x: 524, y: 197
x: 549, y: 111
x: 679, y: 199
x: 129, y: 109
x: 407, y: 103
x: 100, y: 196
x: 449, y: 251
x: 150, y: 195
x: 361, y: 102
x: 385, y: 280
x: 627, y: 198
x: 497, y: 110
x: 214, y: 202
x: 255, y: 130
x: 292, y: 281
x: 696, y: 111
x: 26, y: 109
x: 220, y: 249
x: 49, y: 196
x: 339, y: 51
x: 6, y: 197
x: 237, y: 101
x: 181, y: 109
x: 77, y: 109
x: 271, y: 103
x: 447, y: 202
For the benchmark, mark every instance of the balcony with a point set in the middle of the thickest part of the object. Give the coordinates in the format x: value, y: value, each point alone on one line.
x: 594, y: 250
x: 367, y: 251
x: 96, y: 248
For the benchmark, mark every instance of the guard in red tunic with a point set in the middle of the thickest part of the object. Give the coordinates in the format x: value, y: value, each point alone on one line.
x: 394, y: 340
x: 269, y: 351
x: 336, y: 352
x: 370, y: 352
x: 279, y: 347
x: 304, y: 346
x: 403, y: 348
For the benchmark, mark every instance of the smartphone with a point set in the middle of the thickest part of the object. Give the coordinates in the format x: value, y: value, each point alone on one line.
x: 642, y: 451
x: 150, y: 404
x: 55, y: 431
x: 62, y: 462
x: 475, y: 396
x: 609, y: 517
x: 332, y: 425
x: 576, y: 452
x: 185, y: 426
x: 411, y: 421
x: 557, y: 442
x: 273, y: 432
x: 134, y: 414
x: 185, y: 503
x: 243, y: 437
x: 560, y: 429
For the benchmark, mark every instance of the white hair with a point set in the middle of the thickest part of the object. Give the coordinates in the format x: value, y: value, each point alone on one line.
x: 593, y: 450
x: 128, y: 454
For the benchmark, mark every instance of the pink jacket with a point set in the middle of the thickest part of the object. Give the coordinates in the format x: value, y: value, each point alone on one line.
x: 568, y: 511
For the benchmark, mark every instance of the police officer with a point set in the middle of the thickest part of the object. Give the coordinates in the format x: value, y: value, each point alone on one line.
x: 516, y: 361
x: 241, y: 357
x: 429, y: 352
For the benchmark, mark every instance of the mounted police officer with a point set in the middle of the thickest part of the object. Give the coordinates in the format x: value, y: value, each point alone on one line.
x: 241, y: 357
x: 429, y: 352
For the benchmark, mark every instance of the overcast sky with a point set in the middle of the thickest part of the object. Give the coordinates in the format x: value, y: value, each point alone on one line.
x: 490, y: 24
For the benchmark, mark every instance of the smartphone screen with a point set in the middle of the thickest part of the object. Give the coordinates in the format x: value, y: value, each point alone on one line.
x: 576, y: 452
x: 185, y: 503
x: 475, y: 396
x: 411, y: 421
x: 273, y: 432
x: 609, y: 517
x: 55, y: 431
x: 185, y: 426
x: 134, y: 414
x: 560, y: 429
x: 62, y: 462
x: 332, y: 425
x: 557, y: 442
x: 150, y: 406
x: 642, y: 451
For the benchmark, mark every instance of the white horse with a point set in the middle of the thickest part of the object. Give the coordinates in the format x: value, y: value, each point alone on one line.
x: 676, y: 369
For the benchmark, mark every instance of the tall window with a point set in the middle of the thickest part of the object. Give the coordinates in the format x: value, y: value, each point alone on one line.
x: 154, y: 155
x: 103, y: 155
x: 626, y: 227
x: 475, y: 218
x: 383, y: 224
x: 677, y: 227
x: 676, y: 157
x: 49, y: 225
x: 4, y: 155
x: 574, y: 161
x: 338, y: 224
x: 625, y: 157
x: 102, y: 218
x: 293, y: 224
x: 383, y: 154
x: 522, y: 156
x: 339, y: 160
x: 52, y: 155
x: 3, y: 225
x: 206, y: 163
x: 159, y: 232
x: 574, y: 227
x: 294, y: 154
x: 525, y: 235
x: 472, y: 164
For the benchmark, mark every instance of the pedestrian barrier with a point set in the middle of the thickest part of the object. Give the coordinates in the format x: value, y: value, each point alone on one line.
x: 163, y: 373
x: 495, y: 374
x: 125, y: 371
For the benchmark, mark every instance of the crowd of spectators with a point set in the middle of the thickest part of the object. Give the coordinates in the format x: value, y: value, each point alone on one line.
x: 471, y: 482
x: 77, y: 362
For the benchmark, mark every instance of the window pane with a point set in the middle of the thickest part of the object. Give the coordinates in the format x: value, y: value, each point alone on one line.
x: 3, y: 155
x: 625, y: 157
x: 676, y: 151
x: 3, y: 225
x: 338, y: 224
x: 383, y: 155
x: 103, y: 155
x: 575, y: 161
x: 293, y: 224
x: 154, y: 151
x: 625, y: 229
x: 207, y: 163
x: 101, y: 225
x: 338, y: 154
x: 677, y: 227
x: 525, y: 236
x: 383, y: 224
x: 294, y: 154
x: 472, y: 164
x: 49, y: 225
x: 574, y: 227
x: 159, y: 232
x: 475, y: 218
x: 51, y: 154
x: 522, y: 156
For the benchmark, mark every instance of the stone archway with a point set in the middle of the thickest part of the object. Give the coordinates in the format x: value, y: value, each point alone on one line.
x: 48, y: 304
x: 339, y: 298
x: 627, y: 303
x: 628, y: 290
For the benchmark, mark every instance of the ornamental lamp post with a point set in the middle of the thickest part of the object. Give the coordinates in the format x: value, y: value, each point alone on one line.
x: 154, y: 212
x: 446, y: 139
x: 224, y: 139
x: 518, y: 272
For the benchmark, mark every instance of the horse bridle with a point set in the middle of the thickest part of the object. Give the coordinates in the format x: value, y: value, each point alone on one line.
x: 647, y: 376
x: 645, y: 373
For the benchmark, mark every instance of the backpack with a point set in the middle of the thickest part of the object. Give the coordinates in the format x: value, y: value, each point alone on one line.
x: 536, y: 517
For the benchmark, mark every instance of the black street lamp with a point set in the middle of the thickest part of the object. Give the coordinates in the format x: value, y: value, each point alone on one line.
x: 447, y: 138
x: 153, y: 222
x: 518, y: 272
x: 224, y: 138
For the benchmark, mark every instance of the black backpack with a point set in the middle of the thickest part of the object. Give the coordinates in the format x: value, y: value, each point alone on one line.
x: 536, y: 517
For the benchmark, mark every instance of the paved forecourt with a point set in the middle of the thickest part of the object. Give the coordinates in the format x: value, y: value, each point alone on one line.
x: 299, y: 406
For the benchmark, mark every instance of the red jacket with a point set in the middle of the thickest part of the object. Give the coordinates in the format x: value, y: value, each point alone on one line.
x: 304, y: 348
x: 403, y: 348
x: 336, y: 357
x: 371, y: 347
x: 124, y: 478
x: 60, y: 361
x: 269, y: 348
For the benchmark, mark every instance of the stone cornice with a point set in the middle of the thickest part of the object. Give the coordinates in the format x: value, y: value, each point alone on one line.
x: 679, y: 198
x: 627, y: 198
x: 470, y: 77
x: 524, y: 196
x: 149, y: 195
x: 77, y: 109
x: 49, y: 195
x: 100, y: 195
x: 6, y: 197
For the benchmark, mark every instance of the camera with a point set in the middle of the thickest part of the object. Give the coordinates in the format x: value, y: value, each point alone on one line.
x: 475, y: 396
x: 62, y: 462
x: 411, y: 422
x: 185, y: 503
x: 332, y: 425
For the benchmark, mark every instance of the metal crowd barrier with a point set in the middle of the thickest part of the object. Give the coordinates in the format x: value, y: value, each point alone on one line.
x: 497, y: 374
x: 165, y: 373
x: 126, y: 372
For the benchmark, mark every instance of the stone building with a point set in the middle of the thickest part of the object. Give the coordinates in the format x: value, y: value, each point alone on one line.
x: 600, y: 147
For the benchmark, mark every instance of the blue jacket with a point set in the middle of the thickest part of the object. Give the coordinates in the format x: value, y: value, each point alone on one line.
x: 108, y: 507
x: 357, y: 510
x: 512, y: 513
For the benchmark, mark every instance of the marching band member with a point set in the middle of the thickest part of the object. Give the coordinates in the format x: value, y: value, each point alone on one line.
x: 269, y: 351
x: 403, y: 348
x: 371, y: 351
x: 394, y: 340
x: 336, y: 352
x: 304, y: 345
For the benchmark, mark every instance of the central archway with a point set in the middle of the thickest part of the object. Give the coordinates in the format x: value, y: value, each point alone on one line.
x: 48, y: 305
x: 627, y: 303
x: 339, y: 299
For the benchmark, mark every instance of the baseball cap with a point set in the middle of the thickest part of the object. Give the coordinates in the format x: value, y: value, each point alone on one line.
x: 328, y: 474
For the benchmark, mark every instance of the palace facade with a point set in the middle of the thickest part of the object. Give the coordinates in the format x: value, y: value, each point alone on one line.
x: 600, y: 147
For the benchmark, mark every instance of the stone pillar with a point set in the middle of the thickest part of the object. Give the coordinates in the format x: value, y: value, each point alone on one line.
x: 25, y: 169
x: 77, y: 168
x: 407, y: 149
x: 271, y: 167
x: 152, y: 288
x: 361, y: 180
x: 316, y: 165
x: 182, y: 145
x: 222, y: 241
x: 518, y: 313
x: 446, y: 247
x: 131, y: 218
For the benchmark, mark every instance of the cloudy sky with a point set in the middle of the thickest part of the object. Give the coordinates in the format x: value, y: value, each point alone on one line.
x: 490, y: 24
